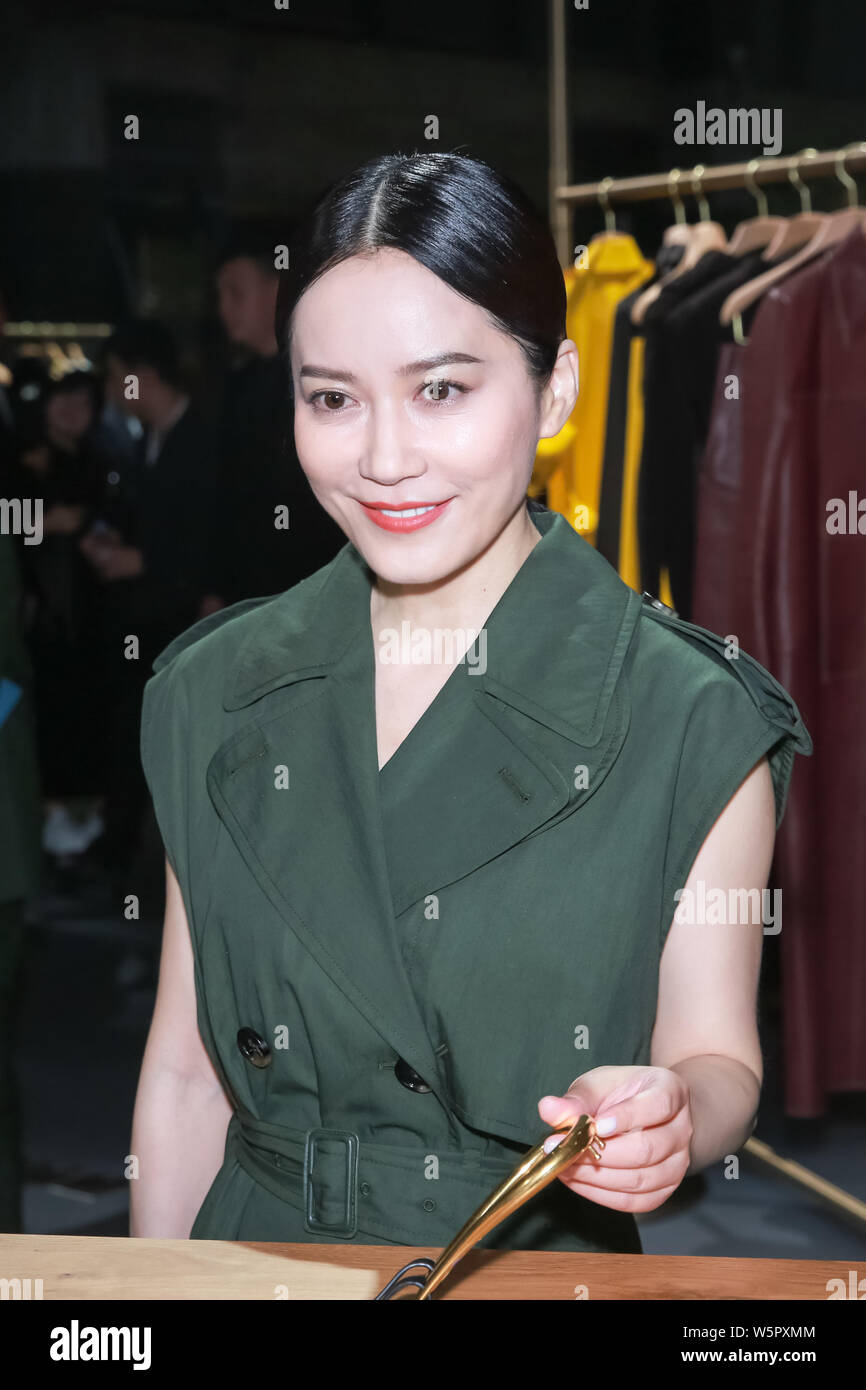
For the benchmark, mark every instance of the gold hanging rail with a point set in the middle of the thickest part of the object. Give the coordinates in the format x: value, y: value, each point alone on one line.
x: 821, y: 164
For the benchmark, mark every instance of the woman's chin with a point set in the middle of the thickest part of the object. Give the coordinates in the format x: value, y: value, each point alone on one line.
x: 396, y: 560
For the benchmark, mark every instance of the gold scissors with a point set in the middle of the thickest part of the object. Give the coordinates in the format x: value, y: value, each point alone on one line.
x: 535, y: 1170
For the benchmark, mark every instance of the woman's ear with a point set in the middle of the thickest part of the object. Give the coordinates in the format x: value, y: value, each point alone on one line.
x: 560, y: 394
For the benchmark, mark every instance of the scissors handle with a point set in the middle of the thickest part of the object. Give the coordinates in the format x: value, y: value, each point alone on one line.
x: 535, y: 1170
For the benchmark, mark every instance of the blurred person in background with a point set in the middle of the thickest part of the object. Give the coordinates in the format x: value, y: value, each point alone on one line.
x: 148, y: 549
x: 64, y: 470
x: 19, y: 860
x: 259, y: 468
x: 7, y: 417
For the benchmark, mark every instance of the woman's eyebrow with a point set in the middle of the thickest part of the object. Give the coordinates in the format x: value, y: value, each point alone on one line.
x: 425, y: 364
x: 309, y: 370
x: 441, y: 359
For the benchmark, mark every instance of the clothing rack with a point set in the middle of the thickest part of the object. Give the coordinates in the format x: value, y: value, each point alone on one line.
x: 809, y: 164
x: 563, y: 198
x: 752, y: 174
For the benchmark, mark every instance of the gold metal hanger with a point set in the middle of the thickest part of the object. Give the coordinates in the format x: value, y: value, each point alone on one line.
x: 698, y: 193
x: 750, y: 178
x: 680, y: 234
x: 673, y: 193
x: 604, y: 203
x: 706, y: 234
x: 755, y: 232
x: 800, y: 228
x: 794, y: 176
x: 848, y: 183
x: 609, y: 217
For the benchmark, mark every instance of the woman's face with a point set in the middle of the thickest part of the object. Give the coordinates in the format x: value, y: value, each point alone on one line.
x: 407, y: 396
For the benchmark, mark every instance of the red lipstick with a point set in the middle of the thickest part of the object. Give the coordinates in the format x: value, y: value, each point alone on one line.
x: 409, y: 516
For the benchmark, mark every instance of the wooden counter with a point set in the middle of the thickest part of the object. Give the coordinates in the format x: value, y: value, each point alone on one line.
x: 101, y: 1267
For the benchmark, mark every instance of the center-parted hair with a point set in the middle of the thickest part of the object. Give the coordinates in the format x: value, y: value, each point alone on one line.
x: 464, y: 221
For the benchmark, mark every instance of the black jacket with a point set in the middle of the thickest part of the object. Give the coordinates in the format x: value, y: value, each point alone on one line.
x: 166, y: 509
x: 260, y: 471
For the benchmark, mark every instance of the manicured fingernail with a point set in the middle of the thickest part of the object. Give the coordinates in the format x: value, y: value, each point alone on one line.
x: 607, y: 1125
x: 551, y: 1142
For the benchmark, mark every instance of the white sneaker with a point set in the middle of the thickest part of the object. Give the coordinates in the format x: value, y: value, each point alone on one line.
x: 62, y: 834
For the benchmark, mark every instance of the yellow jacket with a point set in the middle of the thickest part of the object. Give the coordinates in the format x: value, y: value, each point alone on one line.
x: 569, y: 465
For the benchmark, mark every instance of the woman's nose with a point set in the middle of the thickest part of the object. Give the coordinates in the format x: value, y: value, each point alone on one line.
x: 389, y: 451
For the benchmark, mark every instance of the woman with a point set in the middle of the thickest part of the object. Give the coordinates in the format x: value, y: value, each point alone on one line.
x: 426, y: 814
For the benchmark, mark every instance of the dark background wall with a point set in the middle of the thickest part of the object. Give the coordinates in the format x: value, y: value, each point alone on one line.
x: 248, y: 111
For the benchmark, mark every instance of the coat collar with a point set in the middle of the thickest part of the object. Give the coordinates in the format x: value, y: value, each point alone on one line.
x: 556, y: 640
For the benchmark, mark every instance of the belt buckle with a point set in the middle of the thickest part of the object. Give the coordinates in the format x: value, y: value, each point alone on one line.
x: 349, y: 1224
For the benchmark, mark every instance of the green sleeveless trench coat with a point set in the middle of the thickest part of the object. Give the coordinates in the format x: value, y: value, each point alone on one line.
x: 393, y: 967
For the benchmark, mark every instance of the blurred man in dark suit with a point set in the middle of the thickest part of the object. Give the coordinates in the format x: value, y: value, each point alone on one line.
x: 151, y: 548
x: 259, y: 469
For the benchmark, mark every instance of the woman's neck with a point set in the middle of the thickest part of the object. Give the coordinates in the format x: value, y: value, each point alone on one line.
x: 466, y: 599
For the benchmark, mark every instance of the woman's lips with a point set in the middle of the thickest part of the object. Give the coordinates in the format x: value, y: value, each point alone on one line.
x: 409, y: 517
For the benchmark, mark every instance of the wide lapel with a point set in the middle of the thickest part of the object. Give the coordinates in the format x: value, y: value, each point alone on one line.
x: 506, y: 752
x: 316, y: 847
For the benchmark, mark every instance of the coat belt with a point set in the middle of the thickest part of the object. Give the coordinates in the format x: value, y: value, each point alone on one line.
x: 345, y: 1185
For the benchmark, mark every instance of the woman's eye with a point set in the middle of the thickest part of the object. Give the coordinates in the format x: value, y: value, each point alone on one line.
x: 439, y: 390
x: 328, y: 400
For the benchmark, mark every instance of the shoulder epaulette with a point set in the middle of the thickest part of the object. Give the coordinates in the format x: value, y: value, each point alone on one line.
x: 769, y: 695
